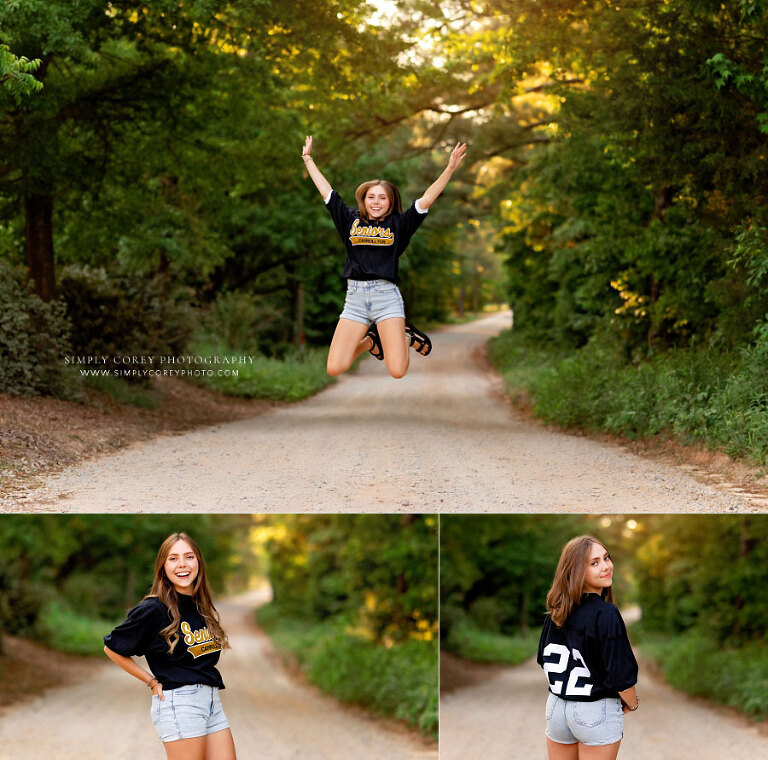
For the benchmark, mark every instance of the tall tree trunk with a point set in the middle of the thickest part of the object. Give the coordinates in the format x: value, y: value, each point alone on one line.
x: 38, y: 213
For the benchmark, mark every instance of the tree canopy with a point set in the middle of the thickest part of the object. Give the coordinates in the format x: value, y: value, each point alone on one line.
x: 613, y: 192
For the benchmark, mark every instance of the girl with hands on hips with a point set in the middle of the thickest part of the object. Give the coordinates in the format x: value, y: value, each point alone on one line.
x: 176, y: 627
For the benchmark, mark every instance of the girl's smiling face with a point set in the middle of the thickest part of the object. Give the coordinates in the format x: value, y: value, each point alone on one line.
x: 376, y: 202
x: 181, y: 567
x: 599, y: 573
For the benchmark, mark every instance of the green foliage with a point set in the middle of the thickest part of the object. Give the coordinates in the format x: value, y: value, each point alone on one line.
x: 694, y: 663
x: 711, y: 395
x: 122, y: 391
x: 619, y: 184
x: 473, y: 643
x: 167, y: 136
x: 67, y: 631
x: 399, y: 681
x: 16, y: 74
x: 292, y: 378
x: 96, y: 565
x: 684, y: 585
x: 34, y: 338
x: 242, y: 322
x: 378, y: 570
x: 495, y: 572
x: 118, y: 318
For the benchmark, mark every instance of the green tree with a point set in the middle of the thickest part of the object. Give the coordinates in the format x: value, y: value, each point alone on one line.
x: 378, y: 571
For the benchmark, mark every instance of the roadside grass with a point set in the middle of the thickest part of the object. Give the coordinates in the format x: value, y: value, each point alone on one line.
x: 718, y: 398
x: 692, y: 662
x: 68, y: 631
x: 292, y: 378
x: 471, y: 643
x: 399, y: 681
x: 123, y: 392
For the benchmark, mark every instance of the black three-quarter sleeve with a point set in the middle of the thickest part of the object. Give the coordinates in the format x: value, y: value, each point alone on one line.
x: 341, y: 214
x: 618, y: 659
x: 139, y: 632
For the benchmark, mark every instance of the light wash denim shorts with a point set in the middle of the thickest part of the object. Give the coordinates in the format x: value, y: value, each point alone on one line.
x: 591, y: 723
x: 187, y: 712
x: 370, y: 301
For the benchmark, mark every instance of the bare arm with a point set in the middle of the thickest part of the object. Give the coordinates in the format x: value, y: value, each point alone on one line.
x: 135, y: 670
x: 437, y: 187
x: 629, y: 700
x: 321, y: 183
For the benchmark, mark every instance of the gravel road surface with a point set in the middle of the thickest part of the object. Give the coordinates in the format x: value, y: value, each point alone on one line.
x: 272, y: 716
x: 502, y: 718
x: 439, y: 440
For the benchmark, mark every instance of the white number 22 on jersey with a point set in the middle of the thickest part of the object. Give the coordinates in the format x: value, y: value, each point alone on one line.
x: 582, y: 671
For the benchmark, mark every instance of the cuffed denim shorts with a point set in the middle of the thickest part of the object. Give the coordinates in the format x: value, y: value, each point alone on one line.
x: 188, y: 712
x: 370, y: 301
x: 591, y: 723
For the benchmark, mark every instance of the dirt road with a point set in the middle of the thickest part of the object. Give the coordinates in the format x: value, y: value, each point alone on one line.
x: 270, y: 714
x: 440, y: 439
x: 502, y: 718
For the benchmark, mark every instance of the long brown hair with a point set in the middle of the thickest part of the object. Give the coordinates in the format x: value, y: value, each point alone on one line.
x: 163, y: 589
x: 568, y: 585
x: 395, y: 204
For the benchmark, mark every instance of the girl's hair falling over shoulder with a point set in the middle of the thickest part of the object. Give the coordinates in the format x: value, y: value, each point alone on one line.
x: 568, y: 585
x: 163, y: 589
x: 395, y: 204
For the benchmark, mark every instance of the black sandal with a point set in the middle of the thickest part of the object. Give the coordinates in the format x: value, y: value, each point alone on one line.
x: 419, y: 340
x: 376, y: 350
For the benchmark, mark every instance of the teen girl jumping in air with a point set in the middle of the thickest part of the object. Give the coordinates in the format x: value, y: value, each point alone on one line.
x: 375, y: 234
x: 586, y: 656
x: 177, y: 628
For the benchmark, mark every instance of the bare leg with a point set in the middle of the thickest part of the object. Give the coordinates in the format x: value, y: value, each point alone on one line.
x: 186, y: 749
x: 349, y: 341
x: 217, y: 746
x: 606, y: 752
x: 220, y: 746
x: 557, y: 751
x: 395, y: 346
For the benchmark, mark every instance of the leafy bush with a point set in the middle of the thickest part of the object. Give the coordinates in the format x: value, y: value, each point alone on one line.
x: 694, y: 663
x: 124, y: 392
x: 467, y: 640
x: 243, y: 322
x: 399, y: 681
x: 34, y: 339
x: 117, y: 317
x: 716, y: 396
x: 68, y: 631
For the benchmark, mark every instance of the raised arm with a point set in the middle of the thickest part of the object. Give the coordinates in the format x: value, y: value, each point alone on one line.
x: 437, y: 187
x: 321, y: 183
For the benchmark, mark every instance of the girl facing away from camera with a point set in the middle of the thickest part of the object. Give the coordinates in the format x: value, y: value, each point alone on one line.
x: 587, y: 658
x: 375, y: 234
x: 177, y: 628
